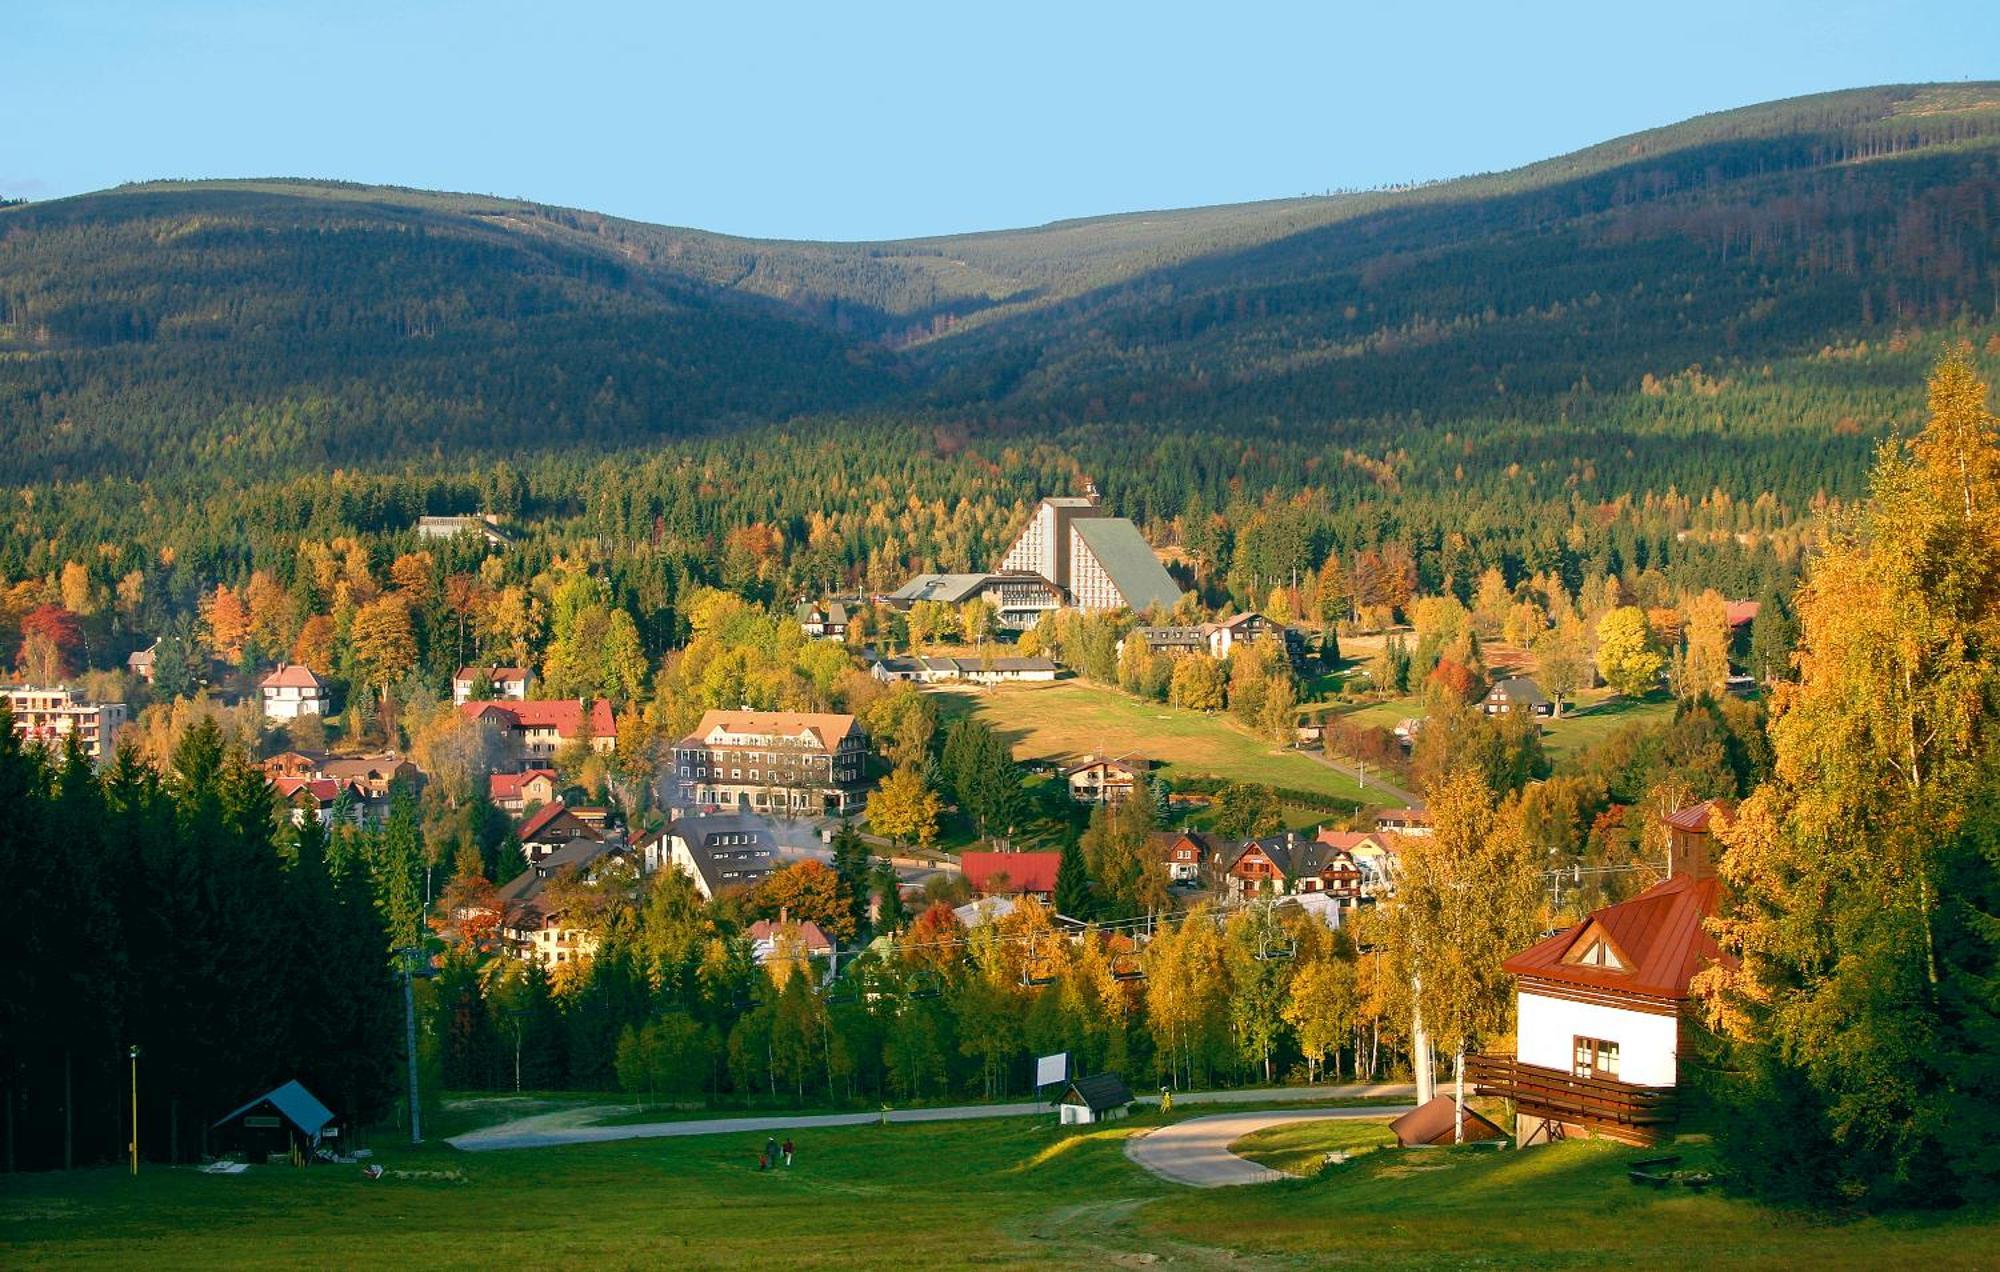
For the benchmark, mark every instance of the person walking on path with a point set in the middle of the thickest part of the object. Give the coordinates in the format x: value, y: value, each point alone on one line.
x: 771, y: 1149
x: 788, y: 1150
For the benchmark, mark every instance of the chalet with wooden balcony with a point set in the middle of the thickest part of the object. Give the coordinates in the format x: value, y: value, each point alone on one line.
x: 1603, y: 1006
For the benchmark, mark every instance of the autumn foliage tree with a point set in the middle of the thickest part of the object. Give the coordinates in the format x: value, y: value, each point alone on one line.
x: 1862, y: 876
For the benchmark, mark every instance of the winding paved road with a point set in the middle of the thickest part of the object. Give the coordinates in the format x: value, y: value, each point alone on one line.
x: 566, y: 1126
x: 1196, y: 1152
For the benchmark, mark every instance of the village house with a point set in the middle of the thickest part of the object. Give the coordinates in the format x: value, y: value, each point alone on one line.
x: 321, y: 797
x: 1286, y: 863
x: 1603, y: 1007
x: 1218, y: 639
x: 479, y: 683
x: 518, y: 792
x: 140, y: 662
x: 50, y: 717
x: 1186, y: 854
x: 294, y: 690
x: 828, y: 619
x: 721, y: 853
x: 985, y: 670
x: 785, y: 763
x: 781, y: 938
x: 1363, y: 865
x: 530, y: 732
x: 538, y: 930
x: 485, y: 525
x: 553, y: 827
x: 1413, y: 820
x: 1517, y: 693
x: 1106, y: 779
x: 1011, y: 874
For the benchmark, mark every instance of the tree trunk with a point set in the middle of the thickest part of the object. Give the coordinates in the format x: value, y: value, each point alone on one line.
x: 1420, y: 1052
x: 1458, y: 1114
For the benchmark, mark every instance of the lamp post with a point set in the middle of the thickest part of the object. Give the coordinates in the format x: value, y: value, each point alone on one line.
x: 133, y: 1053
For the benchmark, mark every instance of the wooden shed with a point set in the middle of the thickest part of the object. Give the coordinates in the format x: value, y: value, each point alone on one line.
x: 278, y: 1121
x: 1098, y: 1098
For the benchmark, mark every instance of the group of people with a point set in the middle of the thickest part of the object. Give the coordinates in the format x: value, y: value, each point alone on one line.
x: 772, y: 1149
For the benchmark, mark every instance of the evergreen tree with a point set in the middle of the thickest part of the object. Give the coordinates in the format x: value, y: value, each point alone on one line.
x: 1072, y: 896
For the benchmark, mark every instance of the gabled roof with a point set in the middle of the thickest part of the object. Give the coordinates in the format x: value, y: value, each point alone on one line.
x: 564, y: 715
x: 1437, y: 1123
x: 1659, y: 934
x: 1136, y: 765
x: 1518, y: 690
x: 827, y: 727
x: 292, y: 676
x: 323, y: 790
x: 811, y: 937
x: 748, y: 862
x: 298, y: 1105
x: 951, y: 589
x: 1699, y: 818
x: 1740, y: 612
x: 1099, y: 1092
x: 494, y: 675
x: 1141, y: 580
x: 548, y: 816
x: 1025, y: 871
x: 509, y: 785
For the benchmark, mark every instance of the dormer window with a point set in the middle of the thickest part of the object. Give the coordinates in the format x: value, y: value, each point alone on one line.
x: 1598, y: 953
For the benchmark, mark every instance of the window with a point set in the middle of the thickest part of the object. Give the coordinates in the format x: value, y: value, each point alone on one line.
x: 1595, y: 1058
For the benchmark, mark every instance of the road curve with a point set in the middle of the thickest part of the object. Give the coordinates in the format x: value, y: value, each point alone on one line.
x: 548, y: 1130
x: 1196, y: 1152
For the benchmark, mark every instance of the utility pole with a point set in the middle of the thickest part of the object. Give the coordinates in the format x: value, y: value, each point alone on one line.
x: 410, y: 953
x: 133, y: 1052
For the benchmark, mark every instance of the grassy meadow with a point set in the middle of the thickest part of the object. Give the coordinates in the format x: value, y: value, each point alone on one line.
x: 1013, y: 1192
x: 1070, y: 719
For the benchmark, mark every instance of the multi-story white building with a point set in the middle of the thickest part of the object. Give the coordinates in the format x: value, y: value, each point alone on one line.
x: 50, y: 717
x: 785, y: 763
x: 294, y: 690
x: 510, y: 683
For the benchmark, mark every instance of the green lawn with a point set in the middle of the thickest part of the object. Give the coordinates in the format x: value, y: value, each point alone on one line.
x: 1016, y: 1192
x: 1072, y: 718
x: 1301, y: 1147
x: 1588, y: 720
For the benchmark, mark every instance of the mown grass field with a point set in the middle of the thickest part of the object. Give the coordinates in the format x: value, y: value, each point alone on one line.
x: 1073, y: 718
x: 1006, y: 1192
x: 1585, y: 722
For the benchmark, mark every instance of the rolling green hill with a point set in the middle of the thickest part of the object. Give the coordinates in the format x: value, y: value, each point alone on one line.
x: 1647, y: 287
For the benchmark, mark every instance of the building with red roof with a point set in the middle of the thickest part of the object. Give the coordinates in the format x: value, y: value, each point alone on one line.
x: 514, y: 792
x: 535, y: 729
x: 783, y: 763
x: 294, y: 690
x: 1602, y: 1006
x: 1011, y: 873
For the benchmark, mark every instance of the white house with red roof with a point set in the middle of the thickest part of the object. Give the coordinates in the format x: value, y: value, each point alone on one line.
x: 294, y: 690
x: 512, y: 683
x: 783, y: 937
x: 1603, y: 1005
x: 535, y: 729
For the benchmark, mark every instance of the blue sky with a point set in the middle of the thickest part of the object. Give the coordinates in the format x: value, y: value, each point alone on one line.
x: 877, y: 120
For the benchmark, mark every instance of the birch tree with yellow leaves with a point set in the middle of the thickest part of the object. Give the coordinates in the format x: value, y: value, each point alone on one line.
x: 1862, y: 876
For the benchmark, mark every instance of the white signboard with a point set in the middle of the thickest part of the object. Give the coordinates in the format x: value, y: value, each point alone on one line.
x: 1052, y: 1070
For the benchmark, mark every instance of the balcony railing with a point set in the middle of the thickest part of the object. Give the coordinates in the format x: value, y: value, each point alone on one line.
x: 1605, y: 1106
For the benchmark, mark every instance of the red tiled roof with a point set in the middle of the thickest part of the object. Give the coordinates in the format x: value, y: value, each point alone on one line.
x: 1697, y: 818
x: 494, y: 675
x: 508, y: 785
x: 1659, y: 931
x: 322, y: 789
x: 810, y: 934
x: 1025, y: 871
x: 564, y: 715
x: 292, y: 676
x: 1741, y: 612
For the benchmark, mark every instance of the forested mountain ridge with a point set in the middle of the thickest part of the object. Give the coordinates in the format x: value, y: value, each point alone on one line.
x: 1647, y: 286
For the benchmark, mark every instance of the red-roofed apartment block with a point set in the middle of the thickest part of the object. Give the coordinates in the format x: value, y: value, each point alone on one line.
x: 534, y: 730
